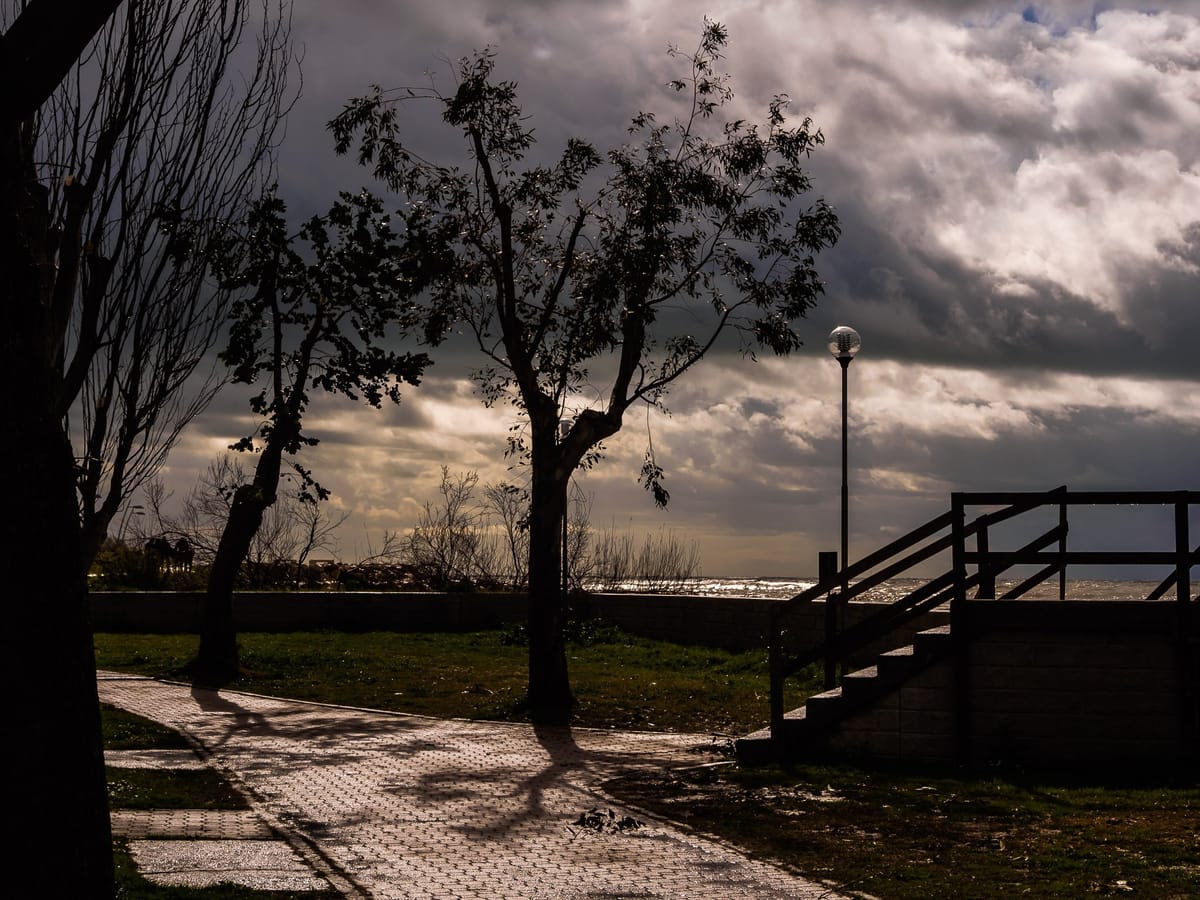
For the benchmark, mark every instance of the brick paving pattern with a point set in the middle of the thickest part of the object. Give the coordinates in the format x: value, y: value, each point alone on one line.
x: 262, y: 865
x: 405, y: 806
x: 153, y: 759
x: 190, y: 823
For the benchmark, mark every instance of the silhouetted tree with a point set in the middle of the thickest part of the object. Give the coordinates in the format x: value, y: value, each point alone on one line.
x: 152, y: 126
x: 690, y: 232
x: 509, y: 505
x: 291, y: 531
x: 445, y: 544
x: 52, y: 751
x: 319, y: 320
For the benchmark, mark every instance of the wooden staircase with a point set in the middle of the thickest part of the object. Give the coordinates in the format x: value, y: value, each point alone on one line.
x: 807, y: 726
x: 794, y: 732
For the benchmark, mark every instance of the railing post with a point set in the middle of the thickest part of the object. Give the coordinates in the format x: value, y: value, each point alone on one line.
x: 959, y: 630
x: 1183, y: 622
x: 827, y: 568
x: 1062, y: 549
x: 775, y: 668
x: 958, y: 548
x: 1183, y: 567
x: 987, y: 575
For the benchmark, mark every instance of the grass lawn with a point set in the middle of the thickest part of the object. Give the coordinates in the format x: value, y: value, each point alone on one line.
x: 125, y: 731
x: 620, y: 681
x: 892, y: 833
x: 900, y: 833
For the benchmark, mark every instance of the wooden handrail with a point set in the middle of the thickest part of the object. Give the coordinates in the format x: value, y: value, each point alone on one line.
x: 954, y: 583
x: 929, y: 595
x: 1170, y: 581
x: 1080, y: 498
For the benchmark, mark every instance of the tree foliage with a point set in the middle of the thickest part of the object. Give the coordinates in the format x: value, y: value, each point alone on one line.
x: 550, y: 279
x: 627, y: 265
x: 314, y: 309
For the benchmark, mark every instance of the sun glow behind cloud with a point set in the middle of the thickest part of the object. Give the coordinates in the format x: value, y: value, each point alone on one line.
x: 1019, y: 251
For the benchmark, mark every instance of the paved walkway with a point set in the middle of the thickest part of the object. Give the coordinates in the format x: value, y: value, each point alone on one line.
x: 405, y: 806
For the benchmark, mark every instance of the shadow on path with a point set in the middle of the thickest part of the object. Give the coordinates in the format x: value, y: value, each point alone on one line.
x: 509, y: 792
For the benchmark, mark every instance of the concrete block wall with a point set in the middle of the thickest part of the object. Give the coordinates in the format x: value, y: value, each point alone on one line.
x: 914, y: 722
x: 1048, y: 684
x: 166, y: 612
x: 736, y: 624
x: 1068, y: 698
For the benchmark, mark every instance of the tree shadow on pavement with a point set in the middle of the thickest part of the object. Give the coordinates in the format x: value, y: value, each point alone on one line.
x: 481, y: 798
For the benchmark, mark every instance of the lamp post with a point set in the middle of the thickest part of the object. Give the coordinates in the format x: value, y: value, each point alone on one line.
x: 844, y: 343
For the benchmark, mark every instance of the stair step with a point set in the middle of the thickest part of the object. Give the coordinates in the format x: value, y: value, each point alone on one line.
x: 857, y: 690
x: 824, y: 708
x: 931, y: 640
x: 896, y: 663
x: 860, y: 683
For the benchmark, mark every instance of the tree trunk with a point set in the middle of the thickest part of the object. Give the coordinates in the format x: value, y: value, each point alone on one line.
x: 217, y: 661
x: 55, y: 796
x: 550, y: 697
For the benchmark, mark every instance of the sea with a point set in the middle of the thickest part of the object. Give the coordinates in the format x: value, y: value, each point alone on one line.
x: 783, y: 588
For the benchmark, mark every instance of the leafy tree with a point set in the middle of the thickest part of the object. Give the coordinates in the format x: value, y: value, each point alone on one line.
x: 632, y: 265
x: 317, y: 320
x: 52, y: 752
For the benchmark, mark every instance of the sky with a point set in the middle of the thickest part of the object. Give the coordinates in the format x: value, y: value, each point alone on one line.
x: 1019, y: 192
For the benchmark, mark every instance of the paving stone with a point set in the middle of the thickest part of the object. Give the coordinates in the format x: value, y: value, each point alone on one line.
x: 405, y: 806
x: 202, y: 823
x: 263, y: 865
x: 153, y: 759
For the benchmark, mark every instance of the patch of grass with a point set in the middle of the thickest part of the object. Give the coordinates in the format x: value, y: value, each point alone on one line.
x: 620, y: 681
x: 906, y: 833
x: 131, y: 885
x: 126, y: 731
x: 171, y: 789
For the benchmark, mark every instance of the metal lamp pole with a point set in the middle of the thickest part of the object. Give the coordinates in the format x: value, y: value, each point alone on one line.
x: 844, y: 343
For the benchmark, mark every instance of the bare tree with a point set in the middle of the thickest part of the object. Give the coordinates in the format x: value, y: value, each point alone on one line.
x: 448, y: 537
x: 152, y: 126
x: 509, y: 506
x: 662, y: 562
x: 313, y: 528
x: 293, y: 528
x: 579, y: 535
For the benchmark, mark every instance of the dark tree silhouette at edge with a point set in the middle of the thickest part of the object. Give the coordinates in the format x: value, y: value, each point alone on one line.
x: 555, y: 267
x: 55, y: 798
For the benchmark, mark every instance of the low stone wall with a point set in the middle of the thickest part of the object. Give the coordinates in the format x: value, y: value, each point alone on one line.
x: 167, y: 612
x: 1047, y: 683
x: 737, y: 623
x: 730, y: 623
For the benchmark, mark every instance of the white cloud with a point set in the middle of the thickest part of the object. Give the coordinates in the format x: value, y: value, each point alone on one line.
x: 1017, y: 199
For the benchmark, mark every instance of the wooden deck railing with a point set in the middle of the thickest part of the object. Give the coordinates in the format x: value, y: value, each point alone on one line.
x: 950, y: 532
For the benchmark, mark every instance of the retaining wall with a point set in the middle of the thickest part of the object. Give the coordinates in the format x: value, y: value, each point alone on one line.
x: 1046, y: 683
x: 730, y: 623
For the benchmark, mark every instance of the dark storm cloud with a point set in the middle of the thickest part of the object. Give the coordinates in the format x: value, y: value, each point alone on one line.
x: 1018, y: 185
